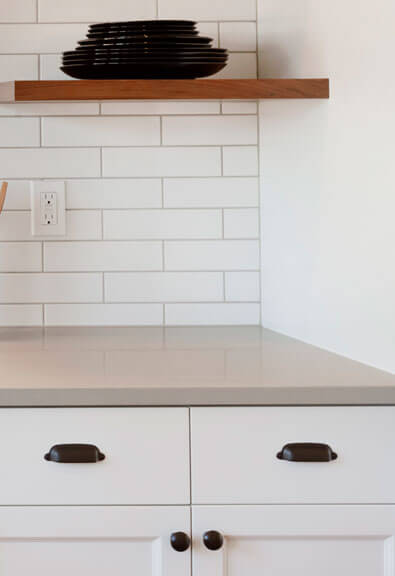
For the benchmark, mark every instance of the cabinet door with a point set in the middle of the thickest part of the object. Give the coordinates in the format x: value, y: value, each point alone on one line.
x: 92, y: 541
x: 296, y: 540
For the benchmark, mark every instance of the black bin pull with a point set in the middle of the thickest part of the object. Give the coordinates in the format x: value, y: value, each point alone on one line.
x: 74, y: 454
x: 307, y: 452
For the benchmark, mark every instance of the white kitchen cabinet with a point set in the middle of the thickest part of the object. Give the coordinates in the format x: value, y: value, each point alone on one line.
x: 92, y: 541
x: 296, y: 540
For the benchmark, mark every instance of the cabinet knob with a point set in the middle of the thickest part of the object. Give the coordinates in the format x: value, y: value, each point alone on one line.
x: 180, y: 541
x: 74, y: 454
x: 307, y: 452
x: 213, y: 540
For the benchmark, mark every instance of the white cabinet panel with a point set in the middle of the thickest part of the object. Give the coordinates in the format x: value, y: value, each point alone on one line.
x: 234, y: 455
x: 92, y: 541
x: 296, y: 540
x: 146, y: 456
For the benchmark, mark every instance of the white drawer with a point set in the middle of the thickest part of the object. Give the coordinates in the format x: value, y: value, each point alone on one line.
x: 234, y: 455
x: 146, y: 456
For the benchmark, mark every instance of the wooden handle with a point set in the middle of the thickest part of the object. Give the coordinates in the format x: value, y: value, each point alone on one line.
x: 3, y: 194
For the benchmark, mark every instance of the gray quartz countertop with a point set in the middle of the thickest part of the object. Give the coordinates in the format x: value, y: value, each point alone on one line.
x: 178, y: 366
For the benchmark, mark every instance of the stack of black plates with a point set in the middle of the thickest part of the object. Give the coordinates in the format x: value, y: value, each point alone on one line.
x: 144, y: 49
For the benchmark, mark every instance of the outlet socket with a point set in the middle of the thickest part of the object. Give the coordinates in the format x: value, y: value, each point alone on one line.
x: 48, y: 203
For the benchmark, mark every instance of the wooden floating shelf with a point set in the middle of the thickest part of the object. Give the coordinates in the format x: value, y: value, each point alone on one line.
x: 28, y: 91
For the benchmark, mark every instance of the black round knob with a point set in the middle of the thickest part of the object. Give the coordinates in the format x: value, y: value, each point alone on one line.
x: 180, y: 541
x: 213, y: 540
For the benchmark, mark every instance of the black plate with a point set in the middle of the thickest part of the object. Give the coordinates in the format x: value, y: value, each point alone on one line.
x: 148, y: 71
x: 140, y: 61
x: 162, y: 54
x: 143, y: 50
x: 134, y: 32
x: 144, y: 24
x: 140, y: 39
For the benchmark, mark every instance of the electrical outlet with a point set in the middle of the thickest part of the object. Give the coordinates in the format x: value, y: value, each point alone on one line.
x: 48, y: 202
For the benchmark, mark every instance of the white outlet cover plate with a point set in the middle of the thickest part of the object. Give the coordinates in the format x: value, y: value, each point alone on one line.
x: 37, y: 188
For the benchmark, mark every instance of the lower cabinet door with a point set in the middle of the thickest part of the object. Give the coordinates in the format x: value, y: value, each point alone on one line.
x: 294, y: 540
x: 92, y: 541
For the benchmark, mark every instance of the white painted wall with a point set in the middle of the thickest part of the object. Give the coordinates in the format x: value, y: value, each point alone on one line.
x: 328, y: 177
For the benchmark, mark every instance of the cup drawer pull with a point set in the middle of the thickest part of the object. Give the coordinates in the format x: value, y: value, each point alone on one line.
x: 307, y: 452
x: 74, y: 454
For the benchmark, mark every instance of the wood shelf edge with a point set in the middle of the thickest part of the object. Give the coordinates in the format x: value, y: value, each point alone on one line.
x: 235, y: 89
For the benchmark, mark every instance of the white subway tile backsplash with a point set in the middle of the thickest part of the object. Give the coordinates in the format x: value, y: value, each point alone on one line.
x: 162, y: 224
x: 164, y: 287
x: 95, y: 10
x: 208, y: 9
x: 234, y: 107
x: 240, y: 65
x: 15, y: 132
x: 217, y: 255
x: 91, y: 131
x: 18, y: 67
x: 206, y: 130
x: 159, y: 107
x: 50, y: 67
x: 18, y: 10
x: 18, y: 195
x: 103, y: 314
x: 20, y: 257
x: 220, y: 314
x: 161, y: 162
x: 102, y: 256
x: 240, y: 161
x: 46, y: 163
x: 18, y: 315
x: 210, y: 192
x: 242, y: 286
x: 238, y: 36
x: 210, y: 30
x: 39, y: 38
x: 114, y: 193
x: 50, y: 109
x: 80, y: 225
x: 241, y: 223
x: 40, y: 288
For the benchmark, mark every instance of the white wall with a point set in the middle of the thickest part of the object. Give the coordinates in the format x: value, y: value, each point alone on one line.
x: 162, y: 197
x: 328, y: 177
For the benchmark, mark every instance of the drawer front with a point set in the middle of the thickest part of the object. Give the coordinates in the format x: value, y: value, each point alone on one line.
x: 146, y: 456
x: 234, y: 455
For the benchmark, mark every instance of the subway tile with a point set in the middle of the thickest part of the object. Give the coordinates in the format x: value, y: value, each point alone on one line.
x: 102, y: 256
x: 161, y: 162
x: 20, y: 257
x: 18, y: 67
x: 95, y: 10
x: 164, y: 287
x: 241, y: 223
x: 210, y: 30
x: 103, y: 314
x: 18, y: 11
x: 80, y: 225
x: 208, y: 9
x: 116, y: 193
x: 18, y: 195
x: 201, y: 130
x: 46, y: 163
x: 240, y: 65
x: 162, y: 224
x: 50, y: 109
x: 159, y: 107
x: 242, y: 286
x: 39, y: 38
x: 50, y: 288
x: 22, y: 132
x: 211, y: 192
x: 50, y: 67
x: 99, y: 131
x: 215, y: 314
x: 238, y: 36
x: 21, y: 315
x: 240, y: 161
x: 234, y: 107
x: 217, y: 255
